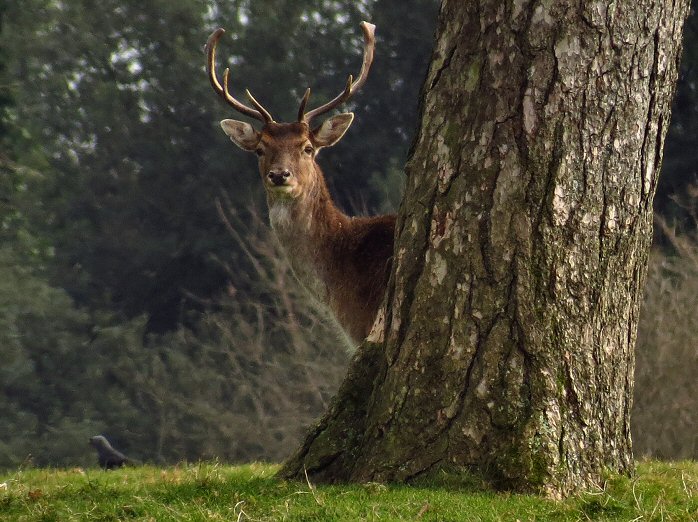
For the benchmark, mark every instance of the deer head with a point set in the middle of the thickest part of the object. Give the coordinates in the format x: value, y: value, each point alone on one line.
x: 287, y: 151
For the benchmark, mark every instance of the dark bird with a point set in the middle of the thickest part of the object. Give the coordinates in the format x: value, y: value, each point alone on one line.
x: 107, y: 456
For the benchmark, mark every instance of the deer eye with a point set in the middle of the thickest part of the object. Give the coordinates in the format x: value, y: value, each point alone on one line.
x: 308, y: 150
x: 259, y: 152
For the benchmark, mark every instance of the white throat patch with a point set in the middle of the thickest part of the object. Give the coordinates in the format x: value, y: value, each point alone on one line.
x: 280, y: 216
x: 294, y: 239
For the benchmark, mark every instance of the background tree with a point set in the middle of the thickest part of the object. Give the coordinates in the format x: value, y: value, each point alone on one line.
x: 508, y: 334
x: 132, y: 150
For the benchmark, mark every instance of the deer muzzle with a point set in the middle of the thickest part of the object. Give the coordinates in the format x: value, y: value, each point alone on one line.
x: 278, y: 178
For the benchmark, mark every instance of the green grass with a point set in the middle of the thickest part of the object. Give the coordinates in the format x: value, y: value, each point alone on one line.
x: 209, y: 491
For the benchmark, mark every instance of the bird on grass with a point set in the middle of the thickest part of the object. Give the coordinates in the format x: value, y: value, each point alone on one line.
x: 107, y: 456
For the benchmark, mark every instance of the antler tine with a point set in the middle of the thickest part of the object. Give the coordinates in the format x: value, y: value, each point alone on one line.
x: 222, y: 90
x: 369, y: 46
x: 304, y: 102
x: 369, y: 31
x: 259, y: 107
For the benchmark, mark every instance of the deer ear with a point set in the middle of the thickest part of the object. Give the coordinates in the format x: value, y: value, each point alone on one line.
x: 241, y: 133
x: 332, y: 129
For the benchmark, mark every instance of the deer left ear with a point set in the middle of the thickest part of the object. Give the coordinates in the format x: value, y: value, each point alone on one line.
x: 332, y: 129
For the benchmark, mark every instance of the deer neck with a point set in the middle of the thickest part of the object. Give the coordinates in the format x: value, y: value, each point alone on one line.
x: 309, y: 228
x: 310, y: 218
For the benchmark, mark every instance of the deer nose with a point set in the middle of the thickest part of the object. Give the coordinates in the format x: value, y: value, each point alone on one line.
x: 279, y: 177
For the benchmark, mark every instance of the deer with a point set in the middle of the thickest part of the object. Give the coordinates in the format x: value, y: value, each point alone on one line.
x: 343, y: 262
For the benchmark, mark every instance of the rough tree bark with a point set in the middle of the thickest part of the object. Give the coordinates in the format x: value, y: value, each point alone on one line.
x: 506, y: 340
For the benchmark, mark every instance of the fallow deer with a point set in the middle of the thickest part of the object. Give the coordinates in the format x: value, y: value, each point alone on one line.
x: 343, y: 261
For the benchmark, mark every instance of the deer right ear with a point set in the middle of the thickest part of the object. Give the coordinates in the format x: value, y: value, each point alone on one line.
x: 241, y: 133
x: 332, y: 129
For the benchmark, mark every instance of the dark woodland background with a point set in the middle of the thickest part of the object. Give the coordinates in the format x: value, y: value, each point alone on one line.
x: 141, y: 295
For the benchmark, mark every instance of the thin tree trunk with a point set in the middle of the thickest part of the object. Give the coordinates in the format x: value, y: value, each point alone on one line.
x: 507, y: 340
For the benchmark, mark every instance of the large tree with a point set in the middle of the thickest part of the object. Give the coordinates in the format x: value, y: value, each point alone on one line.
x: 507, y: 334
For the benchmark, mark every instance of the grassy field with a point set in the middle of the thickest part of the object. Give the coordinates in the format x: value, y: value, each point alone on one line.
x: 209, y: 491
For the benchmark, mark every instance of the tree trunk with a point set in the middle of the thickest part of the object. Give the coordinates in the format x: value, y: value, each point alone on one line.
x: 506, y: 340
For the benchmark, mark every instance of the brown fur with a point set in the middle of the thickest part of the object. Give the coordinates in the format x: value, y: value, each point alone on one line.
x: 343, y: 261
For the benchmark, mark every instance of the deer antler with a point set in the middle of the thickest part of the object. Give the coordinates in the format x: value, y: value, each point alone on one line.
x: 261, y: 113
x: 352, y: 86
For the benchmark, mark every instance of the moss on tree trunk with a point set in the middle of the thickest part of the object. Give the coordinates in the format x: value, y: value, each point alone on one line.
x: 508, y: 329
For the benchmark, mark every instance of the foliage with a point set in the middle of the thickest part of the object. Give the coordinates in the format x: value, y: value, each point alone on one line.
x: 243, y: 386
x: 209, y: 491
x: 123, y: 127
x: 119, y: 194
x: 42, y: 339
